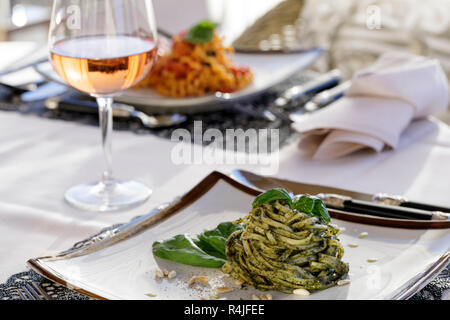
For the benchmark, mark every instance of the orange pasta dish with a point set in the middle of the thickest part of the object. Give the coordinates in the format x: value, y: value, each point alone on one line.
x: 198, y: 64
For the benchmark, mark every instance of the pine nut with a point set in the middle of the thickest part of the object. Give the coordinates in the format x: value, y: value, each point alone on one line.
x: 301, y: 292
x: 343, y: 282
x: 363, y: 235
x: 202, y: 279
x: 224, y: 289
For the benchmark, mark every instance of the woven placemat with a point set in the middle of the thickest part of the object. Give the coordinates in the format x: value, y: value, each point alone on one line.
x: 244, y: 115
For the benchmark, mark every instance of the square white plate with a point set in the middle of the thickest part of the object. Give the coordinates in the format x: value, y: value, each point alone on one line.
x: 120, y: 265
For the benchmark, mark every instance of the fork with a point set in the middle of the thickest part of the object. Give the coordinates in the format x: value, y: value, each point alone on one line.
x: 32, y: 292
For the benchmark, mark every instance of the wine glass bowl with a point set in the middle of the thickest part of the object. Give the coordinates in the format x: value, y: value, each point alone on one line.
x: 102, y: 47
x: 127, y: 61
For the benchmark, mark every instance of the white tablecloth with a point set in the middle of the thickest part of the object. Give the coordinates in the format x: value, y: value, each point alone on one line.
x: 40, y: 159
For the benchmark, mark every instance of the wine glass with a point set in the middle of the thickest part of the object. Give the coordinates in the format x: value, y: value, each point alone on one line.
x: 102, y: 47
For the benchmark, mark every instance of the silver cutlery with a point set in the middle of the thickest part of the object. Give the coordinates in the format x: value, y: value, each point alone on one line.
x: 343, y: 199
x: 321, y: 100
x: 119, y: 111
x: 45, y: 91
x: 34, y: 92
x: 302, y: 94
x: 326, y: 97
x: 322, y: 82
x: 266, y: 115
x: 151, y: 122
x: 346, y: 203
x: 400, y: 201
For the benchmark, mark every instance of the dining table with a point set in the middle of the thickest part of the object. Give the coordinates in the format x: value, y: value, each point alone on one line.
x: 42, y: 155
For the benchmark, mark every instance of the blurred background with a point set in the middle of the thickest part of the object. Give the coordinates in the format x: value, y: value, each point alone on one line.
x: 355, y: 32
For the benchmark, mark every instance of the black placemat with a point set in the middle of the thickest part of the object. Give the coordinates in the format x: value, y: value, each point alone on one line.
x: 244, y: 115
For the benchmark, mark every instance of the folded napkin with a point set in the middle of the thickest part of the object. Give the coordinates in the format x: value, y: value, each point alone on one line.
x: 381, y: 103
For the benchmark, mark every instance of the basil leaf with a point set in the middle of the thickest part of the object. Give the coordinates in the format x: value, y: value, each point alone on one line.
x: 206, y: 251
x: 183, y: 249
x: 304, y: 204
x: 201, y: 33
x: 213, y: 241
x: 213, y: 245
x: 320, y: 210
x: 227, y: 228
x: 312, y: 206
x: 273, y: 195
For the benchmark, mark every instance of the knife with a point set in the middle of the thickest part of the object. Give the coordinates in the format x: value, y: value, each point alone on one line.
x: 346, y: 203
x: 359, y: 201
x: 119, y: 111
x: 326, y: 97
x: 322, y: 82
x: 45, y: 91
x: 404, y: 202
x: 321, y: 100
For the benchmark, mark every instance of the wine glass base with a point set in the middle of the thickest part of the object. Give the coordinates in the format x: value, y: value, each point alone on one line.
x: 113, y: 196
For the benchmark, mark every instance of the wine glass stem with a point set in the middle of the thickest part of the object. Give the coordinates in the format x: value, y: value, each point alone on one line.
x: 106, y: 125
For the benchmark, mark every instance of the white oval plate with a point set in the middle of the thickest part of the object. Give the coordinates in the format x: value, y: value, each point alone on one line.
x: 269, y: 70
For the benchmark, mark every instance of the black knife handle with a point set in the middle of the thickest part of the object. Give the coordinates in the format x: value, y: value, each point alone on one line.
x: 322, y: 82
x: 401, y: 201
x: 386, y: 211
x: 424, y: 206
x: 78, y: 105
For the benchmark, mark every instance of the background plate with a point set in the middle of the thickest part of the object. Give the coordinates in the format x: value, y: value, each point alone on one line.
x: 269, y: 70
x: 120, y: 264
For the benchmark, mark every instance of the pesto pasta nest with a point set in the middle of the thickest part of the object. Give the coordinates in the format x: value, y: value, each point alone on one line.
x: 285, y: 249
